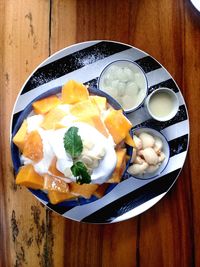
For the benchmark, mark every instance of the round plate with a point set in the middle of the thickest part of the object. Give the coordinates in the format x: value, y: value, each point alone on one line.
x: 84, y: 62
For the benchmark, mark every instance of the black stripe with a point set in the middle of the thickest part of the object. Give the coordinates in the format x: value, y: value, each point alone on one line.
x: 148, y: 64
x: 15, y: 118
x: 180, y: 116
x: 59, y: 208
x: 130, y: 201
x: 73, y: 62
x: 178, y: 145
x: 92, y: 83
x: 168, y: 83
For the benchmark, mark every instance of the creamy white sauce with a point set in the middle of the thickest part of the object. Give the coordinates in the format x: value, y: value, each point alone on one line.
x: 161, y: 104
x: 33, y: 122
x: 102, y: 149
x: 124, y: 82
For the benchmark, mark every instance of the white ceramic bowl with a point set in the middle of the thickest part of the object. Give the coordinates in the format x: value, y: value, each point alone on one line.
x: 165, y: 150
x: 126, y: 82
x: 174, y: 100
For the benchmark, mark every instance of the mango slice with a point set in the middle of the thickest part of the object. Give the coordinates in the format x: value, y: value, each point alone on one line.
x: 120, y: 166
x: 118, y: 125
x: 53, y: 169
x: 29, y: 178
x: 129, y: 140
x: 84, y: 190
x: 100, y: 101
x: 84, y: 109
x: 101, y: 190
x: 55, y: 184
x: 57, y: 197
x: 52, y: 118
x: 33, y: 147
x: 73, y: 92
x: 44, y: 105
x: 20, y: 136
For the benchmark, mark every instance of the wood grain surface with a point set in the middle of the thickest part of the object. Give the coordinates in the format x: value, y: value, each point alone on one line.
x: 168, y: 234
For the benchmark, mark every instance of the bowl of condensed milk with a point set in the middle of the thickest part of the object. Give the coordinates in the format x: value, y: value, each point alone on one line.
x: 162, y: 104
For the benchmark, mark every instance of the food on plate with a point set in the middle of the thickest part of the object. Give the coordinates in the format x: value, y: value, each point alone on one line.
x: 124, y: 81
x: 73, y: 144
x: 147, y: 155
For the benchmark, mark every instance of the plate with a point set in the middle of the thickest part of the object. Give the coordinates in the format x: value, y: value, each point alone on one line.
x: 84, y: 62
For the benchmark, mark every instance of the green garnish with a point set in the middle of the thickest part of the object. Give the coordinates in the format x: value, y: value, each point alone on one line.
x: 72, y: 142
x: 80, y: 171
x: 74, y: 146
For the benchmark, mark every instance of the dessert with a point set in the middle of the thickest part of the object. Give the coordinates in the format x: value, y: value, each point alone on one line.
x: 72, y: 144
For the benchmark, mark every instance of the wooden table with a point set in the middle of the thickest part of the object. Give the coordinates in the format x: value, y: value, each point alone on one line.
x: 166, y: 235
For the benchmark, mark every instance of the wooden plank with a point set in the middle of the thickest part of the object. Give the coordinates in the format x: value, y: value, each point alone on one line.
x: 191, y: 82
x: 166, y: 231
x: 63, y: 24
x: 25, y: 44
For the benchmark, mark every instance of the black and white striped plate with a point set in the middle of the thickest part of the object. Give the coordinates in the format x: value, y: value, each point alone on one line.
x: 84, y: 62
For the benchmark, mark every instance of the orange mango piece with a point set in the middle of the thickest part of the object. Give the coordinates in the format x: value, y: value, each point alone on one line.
x: 57, y: 197
x: 84, y: 109
x: 44, y: 105
x: 96, y: 122
x: 84, y: 190
x: 73, y: 92
x: 55, y: 184
x: 52, y: 118
x: 20, y: 136
x: 129, y: 140
x: 101, y: 190
x: 99, y: 125
x: 33, y: 147
x: 53, y: 169
x: 120, y: 166
x: 100, y: 101
x: 28, y: 177
x: 118, y: 125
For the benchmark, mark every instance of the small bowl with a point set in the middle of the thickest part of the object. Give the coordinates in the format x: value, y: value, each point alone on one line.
x: 166, y: 151
x: 122, y: 87
x: 15, y: 153
x: 174, y: 101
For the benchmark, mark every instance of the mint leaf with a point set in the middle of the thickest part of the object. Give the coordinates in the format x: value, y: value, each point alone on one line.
x: 72, y: 142
x: 80, y: 171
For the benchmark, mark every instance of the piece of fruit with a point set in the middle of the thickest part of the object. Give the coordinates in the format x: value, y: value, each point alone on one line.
x: 53, y: 169
x: 73, y: 92
x: 20, y: 136
x: 120, y: 166
x: 118, y: 125
x: 44, y: 105
x: 99, y: 125
x: 33, y: 147
x: 96, y: 122
x: 52, y: 118
x: 52, y: 183
x: 101, y: 190
x: 129, y: 140
x: 100, y: 101
x: 57, y: 197
x: 29, y: 178
x: 84, y: 109
x: 84, y: 190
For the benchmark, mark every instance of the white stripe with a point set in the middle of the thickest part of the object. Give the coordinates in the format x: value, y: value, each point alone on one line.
x: 82, y: 75
x: 157, y: 76
x: 138, y: 210
x: 80, y: 212
x: 68, y: 50
x: 176, y: 130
